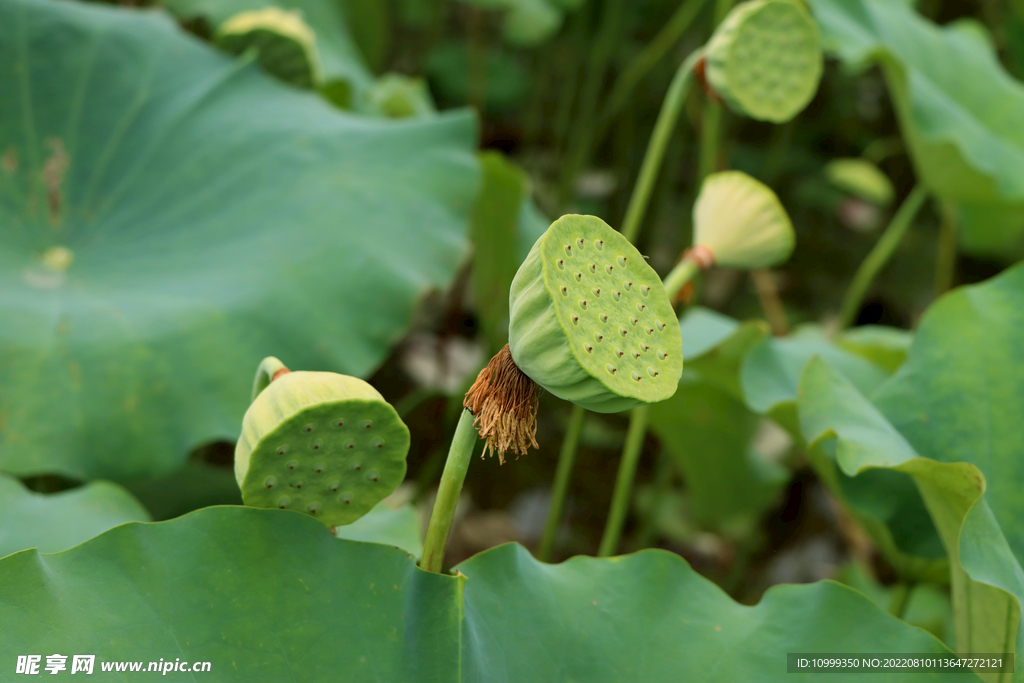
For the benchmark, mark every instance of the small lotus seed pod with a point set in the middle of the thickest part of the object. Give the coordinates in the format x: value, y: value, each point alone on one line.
x: 397, y: 96
x: 285, y: 43
x: 739, y: 222
x: 590, y: 321
x: 862, y: 179
x: 324, y: 444
x: 764, y: 60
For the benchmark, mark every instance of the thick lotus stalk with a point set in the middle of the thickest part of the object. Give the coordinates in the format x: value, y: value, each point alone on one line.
x: 285, y: 43
x: 738, y: 222
x: 764, y: 60
x: 321, y: 443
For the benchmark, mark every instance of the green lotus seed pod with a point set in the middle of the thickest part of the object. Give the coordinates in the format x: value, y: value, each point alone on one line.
x: 397, y: 96
x: 764, y: 60
x: 741, y: 222
x: 590, y: 321
x: 285, y: 43
x: 320, y: 443
x: 862, y: 179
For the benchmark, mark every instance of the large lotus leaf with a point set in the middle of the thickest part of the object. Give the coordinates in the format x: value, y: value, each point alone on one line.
x: 293, y: 603
x: 950, y: 418
x: 57, y: 521
x: 958, y: 108
x: 714, y: 346
x: 340, y: 58
x: 168, y: 217
x: 399, y: 527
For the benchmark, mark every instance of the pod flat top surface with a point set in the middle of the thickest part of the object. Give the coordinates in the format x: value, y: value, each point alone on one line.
x: 612, y: 306
x: 333, y: 460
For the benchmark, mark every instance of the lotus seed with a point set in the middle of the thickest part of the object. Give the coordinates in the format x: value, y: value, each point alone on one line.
x: 561, y: 264
x: 604, y: 318
x: 333, y: 486
x: 319, y: 467
x: 309, y: 427
x: 376, y: 442
x: 339, y: 423
x: 599, y: 337
x: 270, y: 482
x: 600, y: 245
x: 579, y: 277
x: 568, y: 250
x: 618, y: 352
x: 596, y: 291
x: 622, y: 261
x: 580, y: 242
x: 652, y: 372
x: 609, y: 269
x: 296, y: 484
x: 349, y: 444
x: 593, y: 268
x: 282, y: 450
x: 616, y: 295
x: 636, y: 356
x: 345, y: 497
x: 623, y: 331
x: 633, y: 320
x: 644, y: 289
x: 357, y: 466
x: 628, y: 286
x: 662, y: 355
x: 316, y: 444
x: 372, y: 475
x: 610, y: 368
x: 292, y: 464
x: 589, y: 348
x: 650, y: 330
x: 660, y: 325
x: 635, y: 376
x: 313, y: 507
x: 366, y: 424
x: 583, y: 304
x: 283, y: 502
x: 575, y: 320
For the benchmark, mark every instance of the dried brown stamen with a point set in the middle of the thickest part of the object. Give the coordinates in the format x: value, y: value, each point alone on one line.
x: 503, y: 401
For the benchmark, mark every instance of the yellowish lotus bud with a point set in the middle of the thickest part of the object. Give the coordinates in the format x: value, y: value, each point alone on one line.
x: 740, y: 223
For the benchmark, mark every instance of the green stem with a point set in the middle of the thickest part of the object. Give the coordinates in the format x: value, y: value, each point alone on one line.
x: 666, y: 123
x: 645, y: 60
x: 582, y: 136
x: 269, y: 367
x: 448, y: 492
x: 566, y: 458
x: 624, y: 481
x: 710, y: 136
x: 880, y: 254
x: 662, y: 487
x: 684, y: 271
x: 900, y: 600
x: 945, y: 261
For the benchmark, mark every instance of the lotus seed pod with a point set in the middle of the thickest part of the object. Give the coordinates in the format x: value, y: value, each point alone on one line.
x: 285, y: 43
x: 862, y: 179
x: 741, y: 222
x: 397, y: 96
x: 764, y: 60
x: 590, y: 321
x: 320, y: 443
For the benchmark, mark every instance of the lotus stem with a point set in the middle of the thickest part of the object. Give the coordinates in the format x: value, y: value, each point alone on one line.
x: 945, y: 260
x: 711, y: 118
x: 880, y: 254
x: 566, y: 458
x: 624, y: 481
x: 269, y: 370
x: 452, y: 479
x: 666, y: 123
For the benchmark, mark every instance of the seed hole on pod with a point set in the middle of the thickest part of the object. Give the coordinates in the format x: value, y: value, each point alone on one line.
x: 660, y: 325
x: 568, y: 250
x: 610, y: 368
x: 309, y: 428
x: 652, y: 372
x: 579, y: 243
x: 662, y: 355
x: 319, y: 467
x: 270, y: 482
x: 599, y: 337
x: 296, y: 484
x: 575, y: 320
x: 376, y: 442
x: 596, y: 291
x: 621, y: 261
x: 313, y: 507
x: 635, y: 354
x: 645, y: 290
x: 633, y: 320
x: 609, y: 269
x: 583, y: 304
x: 350, y: 444
x: 604, y: 318
x: 635, y: 376
x: 345, y: 497
x: 628, y: 286
x: 339, y: 423
x: 623, y: 331
x: 357, y: 466
x: 316, y: 444
x: 292, y: 464
x: 616, y: 295
x: 565, y: 291
x: 589, y: 348
x: 641, y: 307
x: 600, y: 245
x: 650, y: 330
x: 281, y: 450
x: 645, y: 347
x: 333, y: 486
x: 561, y: 264
x: 593, y: 268
x: 366, y: 424
x: 618, y: 352
x: 579, y: 277
x: 372, y: 475
x: 283, y: 502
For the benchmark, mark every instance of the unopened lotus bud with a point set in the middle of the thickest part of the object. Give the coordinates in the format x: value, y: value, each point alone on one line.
x: 764, y: 60
x: 590, y: 321
x: 397, y: 96
x: 738, y: 222
x: 324, y: 444
x: 862, y: 179
x: 285, y: 43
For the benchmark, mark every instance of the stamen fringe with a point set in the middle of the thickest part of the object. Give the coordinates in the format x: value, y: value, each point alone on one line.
x: 503, y: 401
